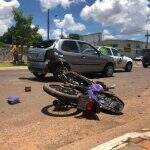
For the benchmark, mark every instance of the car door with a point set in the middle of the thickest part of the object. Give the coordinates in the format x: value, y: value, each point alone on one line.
x: 71, y: 55
x: 117, y: 57
x: 91, y: 60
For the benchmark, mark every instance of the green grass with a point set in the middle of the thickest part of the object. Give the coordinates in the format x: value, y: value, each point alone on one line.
x: 9, y: 64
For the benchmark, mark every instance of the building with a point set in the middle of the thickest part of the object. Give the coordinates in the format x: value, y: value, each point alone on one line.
x: 94, y: 38
x: 129, y: 48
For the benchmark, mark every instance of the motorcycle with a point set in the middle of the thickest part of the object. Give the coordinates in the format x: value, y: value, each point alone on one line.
x: 83, y: 94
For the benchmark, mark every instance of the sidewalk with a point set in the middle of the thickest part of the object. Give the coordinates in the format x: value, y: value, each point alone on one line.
x: 14, y: 68
x: 129, y: 141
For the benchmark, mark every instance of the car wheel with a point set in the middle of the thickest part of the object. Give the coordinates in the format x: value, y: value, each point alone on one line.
x: 108, y: 71
x: 59, y: 71
x: 145, y: 66
x: 39, y: 75
x: 128, y: 67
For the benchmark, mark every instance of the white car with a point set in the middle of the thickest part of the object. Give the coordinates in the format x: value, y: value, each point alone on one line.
x: 121, y: 61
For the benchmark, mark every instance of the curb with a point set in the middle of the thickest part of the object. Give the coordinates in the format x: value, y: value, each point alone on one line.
x: 120, y: 141
x: 14, y: 68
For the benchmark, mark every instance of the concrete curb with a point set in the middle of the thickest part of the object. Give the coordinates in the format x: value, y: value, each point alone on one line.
x: 14, y: 68
x: 116, y: 142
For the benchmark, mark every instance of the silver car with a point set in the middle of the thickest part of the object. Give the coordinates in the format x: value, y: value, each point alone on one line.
x: 66, y: 54
x: 121, y: 61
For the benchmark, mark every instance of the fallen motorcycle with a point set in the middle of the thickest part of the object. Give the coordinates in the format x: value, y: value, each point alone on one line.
x: 83, y: 94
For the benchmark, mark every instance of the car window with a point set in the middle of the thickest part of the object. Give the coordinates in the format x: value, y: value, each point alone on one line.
x: 115, y: 52
x: 45, y: 44
x: 87, y: 49
x: 70, y: 46
x: 105, y: 51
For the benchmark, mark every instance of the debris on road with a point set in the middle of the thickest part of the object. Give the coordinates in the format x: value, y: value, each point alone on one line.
x: 13, y: 100
x: 27, y: 89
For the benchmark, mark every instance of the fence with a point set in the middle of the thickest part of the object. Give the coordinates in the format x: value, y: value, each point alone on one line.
x: 6, y: 54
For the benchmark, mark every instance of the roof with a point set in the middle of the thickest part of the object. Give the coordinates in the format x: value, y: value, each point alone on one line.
x: 98, y: 33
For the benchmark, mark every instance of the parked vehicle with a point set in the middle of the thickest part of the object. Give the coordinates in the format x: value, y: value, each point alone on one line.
x: 146, y: 58
x: 66, y: 54
x: 138, y: 58
x: 83, y: 94
x: 121, y: 61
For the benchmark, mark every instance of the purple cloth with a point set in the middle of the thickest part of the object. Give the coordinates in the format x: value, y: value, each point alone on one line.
x: 93, y: 89
x: 13, y: 100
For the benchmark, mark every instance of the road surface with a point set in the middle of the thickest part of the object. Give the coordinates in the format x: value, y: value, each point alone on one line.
x: 28, y: 125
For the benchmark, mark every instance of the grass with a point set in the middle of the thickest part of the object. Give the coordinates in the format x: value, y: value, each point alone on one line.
x: 10, y: 64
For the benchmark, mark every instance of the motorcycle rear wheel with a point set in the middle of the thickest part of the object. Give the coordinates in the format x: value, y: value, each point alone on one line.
x: 61, y: 91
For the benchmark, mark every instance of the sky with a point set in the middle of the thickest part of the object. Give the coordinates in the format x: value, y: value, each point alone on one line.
x: 117, y: 19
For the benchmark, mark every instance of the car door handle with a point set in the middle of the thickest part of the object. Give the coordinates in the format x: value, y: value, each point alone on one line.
x: 83, y: 57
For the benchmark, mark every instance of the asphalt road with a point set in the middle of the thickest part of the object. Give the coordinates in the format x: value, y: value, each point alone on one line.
x: 28, y: 125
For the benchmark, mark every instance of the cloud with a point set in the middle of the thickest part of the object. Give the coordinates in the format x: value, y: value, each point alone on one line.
x: 124, y: 16
x: 69, y: 23
x: 56, y: 34
x: 32, y: 26
x: 48, y: 4
x: 108, y: 35
x: 6, y: 17
x: 43, y: 33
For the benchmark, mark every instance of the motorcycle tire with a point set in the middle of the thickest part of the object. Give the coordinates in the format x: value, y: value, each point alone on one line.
x: 111, y: 103
x: 77, y: 79
x: 61, y: 91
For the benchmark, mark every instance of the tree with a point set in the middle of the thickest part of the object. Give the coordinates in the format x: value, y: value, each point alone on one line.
x: 74, y: 36
x: 21, y: 33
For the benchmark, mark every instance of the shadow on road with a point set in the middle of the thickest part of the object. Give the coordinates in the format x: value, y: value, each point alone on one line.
x: 95, y: 75
x: 51, y: 111
x: 65, y: 112
x: 88, y: 116
x: 111, y: 113
x: 119, y: 71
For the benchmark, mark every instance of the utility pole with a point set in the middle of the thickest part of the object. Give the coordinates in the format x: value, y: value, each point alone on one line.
x: 48, y: 11
x: 147, y: 38
x: 61, y: 35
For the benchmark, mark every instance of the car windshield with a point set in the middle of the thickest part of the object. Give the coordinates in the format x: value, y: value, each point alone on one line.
x: 105, y: 50
x: 45, y: 44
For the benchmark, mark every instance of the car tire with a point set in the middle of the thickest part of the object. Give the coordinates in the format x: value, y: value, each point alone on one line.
x: 108, y: 71
x: 128, y: 67
x: 59, y: 71
x: 145, y: 66
x: 39, y: 76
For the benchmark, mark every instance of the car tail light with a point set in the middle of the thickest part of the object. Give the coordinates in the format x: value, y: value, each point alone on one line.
x: 90, y: 105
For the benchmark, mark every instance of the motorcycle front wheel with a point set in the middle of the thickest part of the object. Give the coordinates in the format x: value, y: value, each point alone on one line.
x: 111, y: 103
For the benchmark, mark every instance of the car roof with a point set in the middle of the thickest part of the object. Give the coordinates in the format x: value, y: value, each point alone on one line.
x: 73, y: 40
